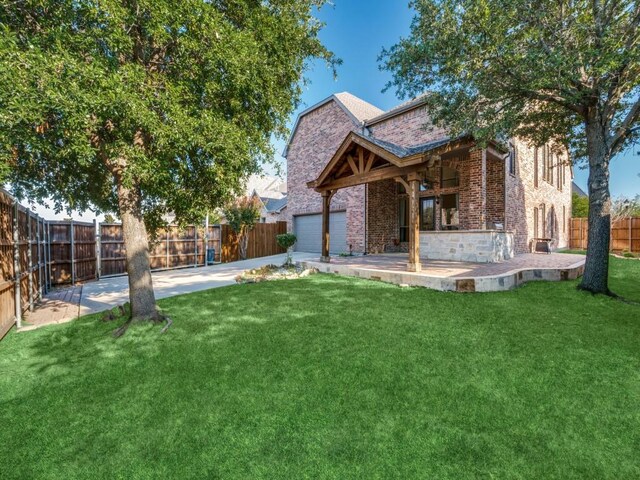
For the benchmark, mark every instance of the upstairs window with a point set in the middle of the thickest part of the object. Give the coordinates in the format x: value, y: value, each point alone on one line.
x: 536, y: 167
x: 513, y: 158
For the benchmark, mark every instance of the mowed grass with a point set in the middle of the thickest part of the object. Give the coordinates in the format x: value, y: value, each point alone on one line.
x: 332, y: 377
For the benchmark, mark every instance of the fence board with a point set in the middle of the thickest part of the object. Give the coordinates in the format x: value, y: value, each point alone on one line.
x: 73, y: 257
x: 173, y: 247
x: 21, y: 247
x: 262, y: 241
x: 625, y: 234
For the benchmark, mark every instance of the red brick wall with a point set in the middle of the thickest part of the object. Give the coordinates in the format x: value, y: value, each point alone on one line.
x: 318, y: 136
x: 523, y: 196
x: 495, y: 191
x: 408, y: 129
x: 382, y: 203
x: 321, y: 131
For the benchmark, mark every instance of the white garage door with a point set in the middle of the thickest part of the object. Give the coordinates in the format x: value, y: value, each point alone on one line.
x: 308, y: 229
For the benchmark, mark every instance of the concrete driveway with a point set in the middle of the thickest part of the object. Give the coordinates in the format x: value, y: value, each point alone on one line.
x: 109, y: 292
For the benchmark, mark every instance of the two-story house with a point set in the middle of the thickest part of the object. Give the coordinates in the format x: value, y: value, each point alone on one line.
x: 362, y: 180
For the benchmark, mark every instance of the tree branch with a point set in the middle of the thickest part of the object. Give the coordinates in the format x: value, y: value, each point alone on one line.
x: 624, y: 130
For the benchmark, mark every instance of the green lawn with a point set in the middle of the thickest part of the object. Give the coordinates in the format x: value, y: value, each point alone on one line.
x: 330, y: 377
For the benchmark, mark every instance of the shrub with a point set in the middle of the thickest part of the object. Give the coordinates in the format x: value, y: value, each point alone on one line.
x: 286, y: 241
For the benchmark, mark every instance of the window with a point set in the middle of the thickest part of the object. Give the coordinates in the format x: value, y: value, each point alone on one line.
x: 551, y: 167
x: 449, y: 212
x: 544, y: 220
x: 427, y: 213
x: 559, y: 173
x: 564, y: 218
x: 403, y: 219
x: 512, y: 159
x: 545, y: 170
x: 535, y: 167
x: 449, y: 177
x: 535, y: 222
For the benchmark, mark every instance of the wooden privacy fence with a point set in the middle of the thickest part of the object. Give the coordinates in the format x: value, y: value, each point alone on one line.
x: 23, y: 261
x: 73, y: 251
x: 625, y: 234
x: 262, y: 241
x: 36, y: 254
x: 173, y: 247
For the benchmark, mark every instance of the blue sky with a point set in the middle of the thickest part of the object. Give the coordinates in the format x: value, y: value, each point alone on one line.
x: 356, y: 31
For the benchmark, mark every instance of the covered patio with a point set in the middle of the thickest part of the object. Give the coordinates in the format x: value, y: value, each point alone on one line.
x: 447, y: 275
x: 442, y: 200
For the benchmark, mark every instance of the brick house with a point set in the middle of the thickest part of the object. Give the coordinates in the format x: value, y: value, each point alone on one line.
x: 368, y: 181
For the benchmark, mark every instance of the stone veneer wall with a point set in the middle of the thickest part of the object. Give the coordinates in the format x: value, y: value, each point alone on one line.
x: 523, y: 196
x: 318, y: 136
x: 483, y: 246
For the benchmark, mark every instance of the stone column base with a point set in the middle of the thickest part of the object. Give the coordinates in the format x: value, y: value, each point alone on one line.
x: 325, y: 259
x: 414, y: 267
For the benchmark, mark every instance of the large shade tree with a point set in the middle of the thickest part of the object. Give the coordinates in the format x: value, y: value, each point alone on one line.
x: 144, y: 107
x: 565, y: 72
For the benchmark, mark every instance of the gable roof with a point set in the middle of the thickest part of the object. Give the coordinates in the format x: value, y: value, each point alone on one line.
x: 398, y: 109
x: 359, y: 108
x: 274, y: 205
x: 356, y: 109
x: 576, y: 189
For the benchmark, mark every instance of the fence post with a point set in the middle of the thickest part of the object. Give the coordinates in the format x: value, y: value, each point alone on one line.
x: 167, y: 240
x: 96, y: 229
x: 630, y: 219
x: 30, y: 262
x: 73, y: 253
x: 16, y: 264
x: 195, y: 248
x: 39, y: 243
x: 206, y: 240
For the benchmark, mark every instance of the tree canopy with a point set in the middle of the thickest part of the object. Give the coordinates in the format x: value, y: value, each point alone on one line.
x: 147, y: 107
x: 188, y: 92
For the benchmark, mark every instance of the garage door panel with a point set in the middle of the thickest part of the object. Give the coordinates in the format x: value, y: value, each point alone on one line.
x: 308, y: 229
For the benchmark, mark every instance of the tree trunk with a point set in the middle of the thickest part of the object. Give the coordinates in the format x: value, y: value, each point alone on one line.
x: 141, y: 296
x: 596, y: 269
x: 242, y: 245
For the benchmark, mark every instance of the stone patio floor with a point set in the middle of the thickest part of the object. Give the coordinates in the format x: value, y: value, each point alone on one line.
x: 457, y: 276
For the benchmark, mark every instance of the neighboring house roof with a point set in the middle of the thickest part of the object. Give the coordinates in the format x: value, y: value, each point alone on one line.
x: 275, y: 186
x: 576, y: 189
x: 274, y: 205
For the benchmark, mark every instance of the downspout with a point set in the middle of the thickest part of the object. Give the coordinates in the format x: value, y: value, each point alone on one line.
x: 366, y: 200
x: 504, y: 186
x: 366, y: 218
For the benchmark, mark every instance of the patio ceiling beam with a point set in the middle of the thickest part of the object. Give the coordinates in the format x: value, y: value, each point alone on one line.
x: 402, y: 182
x: 352, y: 164
x: 370, y: 160
x: 374, y: 175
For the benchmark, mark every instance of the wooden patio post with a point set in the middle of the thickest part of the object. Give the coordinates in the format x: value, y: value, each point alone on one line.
x: 326, y: 205
x: 414, y: 224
